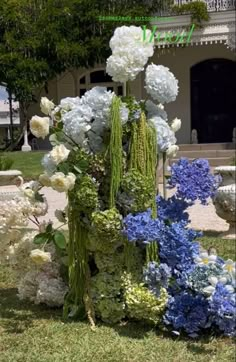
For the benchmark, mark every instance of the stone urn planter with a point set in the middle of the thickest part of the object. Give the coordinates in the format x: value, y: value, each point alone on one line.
x: 225, y: 199
x: 10, y: 177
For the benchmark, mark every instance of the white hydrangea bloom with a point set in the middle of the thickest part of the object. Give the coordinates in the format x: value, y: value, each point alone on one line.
x: 165, y: 135
x: 130, y: 53
x: 51, y: 291
x: 88, y: 119
x: 154, y: 110
x: 161, y: 84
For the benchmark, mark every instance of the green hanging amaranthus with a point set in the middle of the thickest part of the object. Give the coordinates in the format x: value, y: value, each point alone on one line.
x: 143, y: 158
x: 115, y: 150
x: 78, y: 300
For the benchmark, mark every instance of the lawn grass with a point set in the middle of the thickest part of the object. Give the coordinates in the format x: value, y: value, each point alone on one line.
x: 29, y: 163
x: 30, y: 333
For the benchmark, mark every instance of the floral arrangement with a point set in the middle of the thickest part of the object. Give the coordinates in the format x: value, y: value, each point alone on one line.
x: 130, y: 253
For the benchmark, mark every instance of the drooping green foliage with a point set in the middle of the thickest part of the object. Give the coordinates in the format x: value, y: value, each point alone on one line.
x: 116, y: 150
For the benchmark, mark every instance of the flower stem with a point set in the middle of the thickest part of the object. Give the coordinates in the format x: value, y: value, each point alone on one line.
x: 164, y: 175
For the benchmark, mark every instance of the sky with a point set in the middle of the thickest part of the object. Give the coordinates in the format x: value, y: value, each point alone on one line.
x: 3, y: 93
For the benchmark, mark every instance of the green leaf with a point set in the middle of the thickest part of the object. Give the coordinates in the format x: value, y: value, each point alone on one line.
x: 59, y: 240
x: 41, y: 238
x: 38, y: 197
x: 49, y: 228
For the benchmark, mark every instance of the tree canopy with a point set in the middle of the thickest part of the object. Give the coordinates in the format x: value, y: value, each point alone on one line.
x: 42, y: 38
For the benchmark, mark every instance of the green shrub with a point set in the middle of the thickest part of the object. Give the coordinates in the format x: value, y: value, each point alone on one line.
x: 6, y: 162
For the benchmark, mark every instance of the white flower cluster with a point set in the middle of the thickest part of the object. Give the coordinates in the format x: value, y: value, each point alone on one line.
x: 38, y: 271
x: 154, y: 110
x: 88, y: 118
x: 161, y: 84
x: 165, y: 136
x: 42, y: 282
x: 130, y: 53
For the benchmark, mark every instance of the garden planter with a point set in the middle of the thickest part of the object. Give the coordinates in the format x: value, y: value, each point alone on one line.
x: 10, y: 177
x: 224, y: 200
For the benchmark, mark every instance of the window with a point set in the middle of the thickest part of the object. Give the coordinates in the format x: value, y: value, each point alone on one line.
x: 99, y: 78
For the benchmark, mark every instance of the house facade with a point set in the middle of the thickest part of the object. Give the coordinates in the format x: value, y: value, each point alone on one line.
x: 205, y: 68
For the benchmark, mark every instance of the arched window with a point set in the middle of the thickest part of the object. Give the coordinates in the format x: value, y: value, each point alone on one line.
x: 98, y: 78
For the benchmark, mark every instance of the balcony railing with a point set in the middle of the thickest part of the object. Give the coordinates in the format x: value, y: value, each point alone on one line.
x: 212, y: 5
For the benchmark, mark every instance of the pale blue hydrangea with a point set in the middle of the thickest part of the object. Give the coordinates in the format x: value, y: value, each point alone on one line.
x: 161, y: 84
x: 165, y: 135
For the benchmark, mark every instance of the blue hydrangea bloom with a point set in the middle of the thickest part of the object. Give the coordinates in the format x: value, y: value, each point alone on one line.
x: 177, y: 247
x: 193, y: 180
x: 142, y: 227
x: 156, y: 276
x: 188, y: 312
x: 173, y: 209
x: 223, y: 309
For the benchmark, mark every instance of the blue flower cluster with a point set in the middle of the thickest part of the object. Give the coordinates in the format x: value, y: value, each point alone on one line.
x: 223, y: 310
x: 172, y: 209
x: 177, y: 247
x: 193, y: 180
x: 142, y: 227
x: 201, y: 287
x: 187, y: 312
x: 156, y: 276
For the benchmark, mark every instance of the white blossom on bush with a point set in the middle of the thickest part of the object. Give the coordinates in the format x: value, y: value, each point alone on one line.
x: 44, y: 179
x: 39, y: 256
x: 161, y: 84
x: 172, y: 151
x: 39, y: 126
x: 59, y: 154
x: 46, y: 106
x: 176, y: 124
x: 61, y: 182
x: 130, y: 53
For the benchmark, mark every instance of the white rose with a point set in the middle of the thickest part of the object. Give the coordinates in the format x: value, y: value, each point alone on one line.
x: 61, y: 182
x: 172, y: 151
x: 71, y: 180
x: 176, y: 124
x: 40, y: 257
x: 44, y: 179
x: 46, y: 106
x: 59, y: 154
x: 39, y: 126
